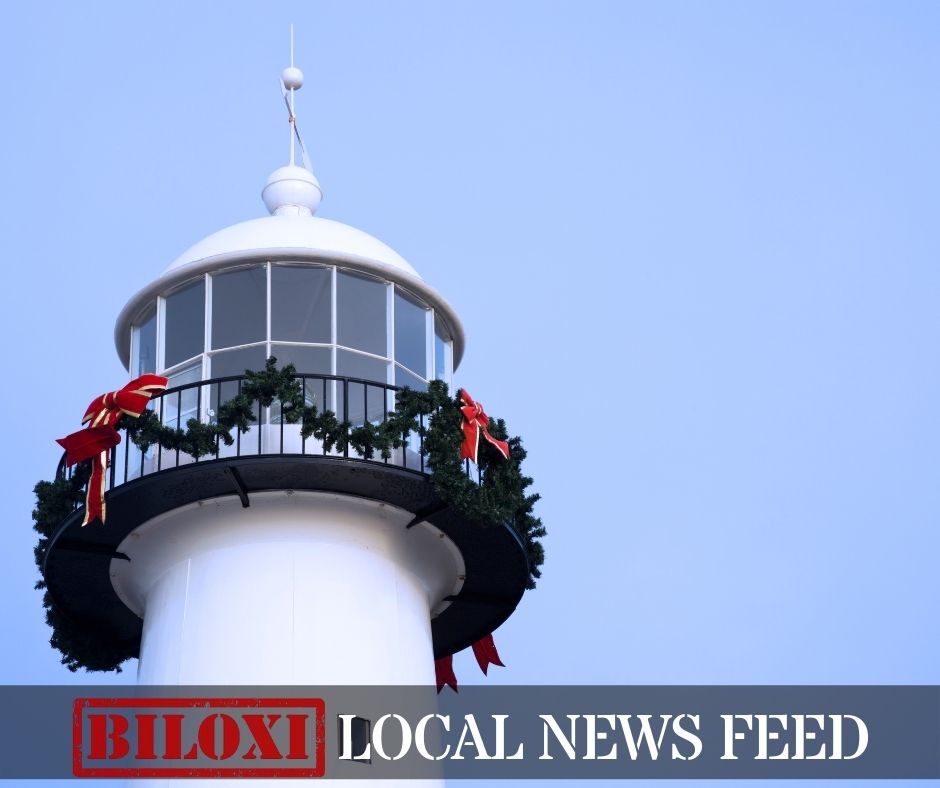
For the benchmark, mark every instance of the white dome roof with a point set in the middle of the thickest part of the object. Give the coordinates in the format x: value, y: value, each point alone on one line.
x: 286, y: 234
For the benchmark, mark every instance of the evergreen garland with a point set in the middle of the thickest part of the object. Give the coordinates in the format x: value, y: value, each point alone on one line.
x: 500, y: 497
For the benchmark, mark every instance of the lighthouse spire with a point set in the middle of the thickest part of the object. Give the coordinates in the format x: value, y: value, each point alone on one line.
x: 292, y: 190
x: 291, y: 109
x: 292, y: 80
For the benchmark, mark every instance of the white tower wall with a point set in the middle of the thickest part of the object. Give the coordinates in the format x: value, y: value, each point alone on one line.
x: 300, y: 588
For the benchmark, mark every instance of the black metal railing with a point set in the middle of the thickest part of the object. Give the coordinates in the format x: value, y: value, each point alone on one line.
x: 352, y: 399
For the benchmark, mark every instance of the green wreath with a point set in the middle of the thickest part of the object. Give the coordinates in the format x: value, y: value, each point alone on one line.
x: 499, y: 498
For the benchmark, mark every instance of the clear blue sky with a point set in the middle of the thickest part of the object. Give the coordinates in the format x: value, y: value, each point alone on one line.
x: 695, y: 247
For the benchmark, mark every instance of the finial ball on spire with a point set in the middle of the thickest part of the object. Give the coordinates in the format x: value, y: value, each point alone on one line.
x: 293, y: 78
x: 292, y: 191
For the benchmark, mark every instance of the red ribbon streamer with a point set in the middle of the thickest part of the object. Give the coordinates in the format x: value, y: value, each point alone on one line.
x: 485, y: 652
x: 100, y: 436
x: 444, y: 673
x: 476, y: 421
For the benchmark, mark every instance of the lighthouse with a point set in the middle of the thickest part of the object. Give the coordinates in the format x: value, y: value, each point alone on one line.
x: 283, y: 558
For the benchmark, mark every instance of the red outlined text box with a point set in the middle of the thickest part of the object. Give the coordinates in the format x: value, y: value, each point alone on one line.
x: 315, y: 706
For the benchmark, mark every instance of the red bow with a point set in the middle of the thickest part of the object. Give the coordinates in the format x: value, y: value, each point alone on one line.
x: 100, y: 436
x: 475, y: 421
x: 485, y: 652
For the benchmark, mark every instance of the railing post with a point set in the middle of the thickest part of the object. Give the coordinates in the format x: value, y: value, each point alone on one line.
x: 198, y: 408
x: 127, y: 458
x: 158, y: 448
x: 385, y: 413
x: 238, y: 432
x: 282, y: 427
x: 303, y: 398
x: 346, y: 414
x: 332, y: 389
x: 404, y: 450
x: 179, y: 426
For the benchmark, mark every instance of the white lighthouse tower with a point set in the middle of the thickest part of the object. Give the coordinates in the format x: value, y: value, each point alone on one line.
x: 277, y: 560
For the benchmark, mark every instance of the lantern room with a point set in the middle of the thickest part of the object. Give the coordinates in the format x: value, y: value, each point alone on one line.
x: 316, y: 293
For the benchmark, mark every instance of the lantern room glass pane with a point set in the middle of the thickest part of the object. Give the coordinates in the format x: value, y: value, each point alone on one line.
x: 410, y: 334
x: 356, y: 365
x: 315, y: 360
x: 404, y: 378
x: 310, y: 360
x: 239, y: 307
x: 361, y: 308
x: 185, y: 324
x: 301, y: 304
x: 364, y: 401
x: 181, y: 406
x: 145, y: 345
x: 235, y: 362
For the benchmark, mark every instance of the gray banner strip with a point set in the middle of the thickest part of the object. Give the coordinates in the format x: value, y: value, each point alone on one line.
x: 571, y: 732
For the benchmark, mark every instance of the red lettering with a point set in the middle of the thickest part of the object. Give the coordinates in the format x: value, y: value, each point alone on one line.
x: 173, y: 737
x: 207, y: 737
x: 145, y: 737
x: 100, y: 736
x: 262, y: 736
x: 298, y: 736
